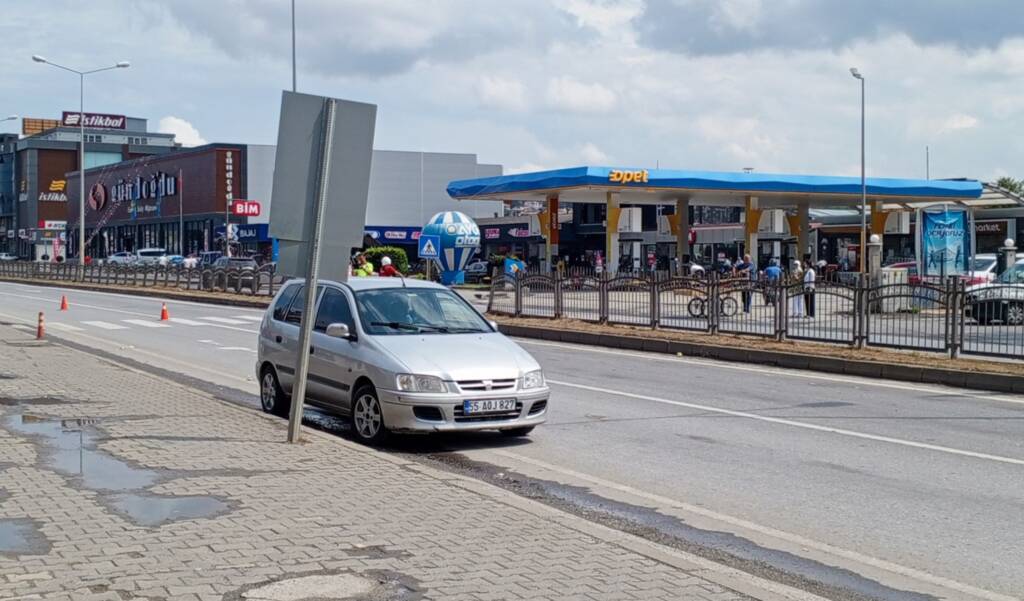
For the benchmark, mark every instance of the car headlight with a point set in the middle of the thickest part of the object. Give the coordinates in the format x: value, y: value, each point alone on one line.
x: 533, y: 379
x: 420, y: 383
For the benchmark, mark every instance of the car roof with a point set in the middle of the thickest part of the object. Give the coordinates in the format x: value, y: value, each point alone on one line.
x: 357, y: 284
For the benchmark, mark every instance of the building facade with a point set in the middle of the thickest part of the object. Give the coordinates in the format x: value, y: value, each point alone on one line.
x: 178, y: 202
x: 42, y: 161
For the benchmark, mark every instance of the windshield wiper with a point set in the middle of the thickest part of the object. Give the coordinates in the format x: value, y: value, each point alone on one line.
x: 398, y: 325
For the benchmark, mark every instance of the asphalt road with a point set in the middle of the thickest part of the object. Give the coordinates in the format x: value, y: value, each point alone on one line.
x: 881, y: 489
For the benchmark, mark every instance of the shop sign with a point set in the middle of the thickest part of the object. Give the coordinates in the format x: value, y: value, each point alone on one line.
x: 619, y: 176
x: 10, y: 233
x: 245, y: 208
x: 229, y: 175
x: 23, y: 234
x: 519, y: 232
x: 393, y: 234
x: 52, y: 225
x: 56, y: 192
x: 257, y: 232
x: 492, y: 233
x: 944, y: 241
x: 93, y: 120
x: 990, y: 227
x: 98, y: 196
x: 155, y: 186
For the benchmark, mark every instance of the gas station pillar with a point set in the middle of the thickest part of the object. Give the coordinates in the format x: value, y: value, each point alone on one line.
x: 803, y: 212
x: 878, y: 219
x: 683, y: 251
x: 551, y: 248
x: 611, y: 234
x: 752, y: 223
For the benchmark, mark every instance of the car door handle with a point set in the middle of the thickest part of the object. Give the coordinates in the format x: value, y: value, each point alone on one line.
x: 278, y: 339
x: 312, y: 350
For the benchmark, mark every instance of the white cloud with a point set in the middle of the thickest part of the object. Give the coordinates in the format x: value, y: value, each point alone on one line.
x: 526, y: 168
x: 502, y: 93
x: 184, y: 132
x: 605, y: 16
x: 592, y: 155
x: 957, y: 122
x: 575, y: 96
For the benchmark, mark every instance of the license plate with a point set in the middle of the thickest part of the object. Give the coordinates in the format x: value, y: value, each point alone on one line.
x: 488, y: 406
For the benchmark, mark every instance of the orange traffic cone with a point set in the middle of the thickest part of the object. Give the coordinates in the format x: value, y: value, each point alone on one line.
x: 164, y: 315
x: 41, y: 327
x: 63, y: 302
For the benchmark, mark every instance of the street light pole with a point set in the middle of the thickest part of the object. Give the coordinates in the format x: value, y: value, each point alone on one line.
x: 293, y: 47
x: 81, y: 142
x: 863, y: 181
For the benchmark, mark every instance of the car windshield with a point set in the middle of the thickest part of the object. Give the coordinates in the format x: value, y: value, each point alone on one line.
x: 982, y: 264
x: 1013, y: 275
x: 152, y: 253
x: 387, y: 311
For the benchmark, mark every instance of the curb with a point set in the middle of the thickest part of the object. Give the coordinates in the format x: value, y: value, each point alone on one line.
x: 260, y: 302
x: 831, y: 365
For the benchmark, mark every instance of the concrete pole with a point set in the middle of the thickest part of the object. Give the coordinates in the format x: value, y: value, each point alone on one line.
x: 611, y: 238
x: 81, y: 172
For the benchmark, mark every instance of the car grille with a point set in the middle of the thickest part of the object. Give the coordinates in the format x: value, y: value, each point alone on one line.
x: 461, y: 418
x: 486, y: 385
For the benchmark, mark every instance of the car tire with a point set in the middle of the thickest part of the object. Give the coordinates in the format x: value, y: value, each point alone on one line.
x: 517, y: 432
x: 273, y: 399
x: 367, y: 417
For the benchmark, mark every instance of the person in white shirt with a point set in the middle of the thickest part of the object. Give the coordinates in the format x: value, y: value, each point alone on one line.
x: 809, y: 278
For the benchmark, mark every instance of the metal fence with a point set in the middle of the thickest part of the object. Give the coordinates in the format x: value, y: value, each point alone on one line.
x: 944, y: 316
x: 262, y: 281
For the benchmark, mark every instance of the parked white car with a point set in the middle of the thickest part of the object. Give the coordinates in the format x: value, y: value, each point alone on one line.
x: 150, y: 256
x: 999, y: 301
x: 121, y: 258
x: 7, y: 257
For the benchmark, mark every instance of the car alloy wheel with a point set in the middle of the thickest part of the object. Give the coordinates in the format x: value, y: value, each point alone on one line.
x: 1015, y: 314
x: 367, y: 420
x: 268, y: 392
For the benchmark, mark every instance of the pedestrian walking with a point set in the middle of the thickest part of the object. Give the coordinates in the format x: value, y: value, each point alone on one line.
x: 796, y: 278
x: 387, y: 270
x: 745, y: 271
x: 809, y: 281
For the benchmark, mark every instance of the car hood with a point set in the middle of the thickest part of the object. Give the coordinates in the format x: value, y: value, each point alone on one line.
x: 459, y: 356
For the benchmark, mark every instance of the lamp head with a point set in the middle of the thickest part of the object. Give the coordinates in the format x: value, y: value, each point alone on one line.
x: 38, y: 58
x: 123, y: 65
x: 854, y: 72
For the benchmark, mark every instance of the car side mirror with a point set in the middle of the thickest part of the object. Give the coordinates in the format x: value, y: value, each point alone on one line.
x: 339, y: 330
x: 493, y: 324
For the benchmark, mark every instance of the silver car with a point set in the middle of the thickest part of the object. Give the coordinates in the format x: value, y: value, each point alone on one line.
x: 400, y: 355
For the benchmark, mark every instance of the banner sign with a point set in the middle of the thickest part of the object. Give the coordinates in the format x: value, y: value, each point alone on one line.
x: 944, y: 241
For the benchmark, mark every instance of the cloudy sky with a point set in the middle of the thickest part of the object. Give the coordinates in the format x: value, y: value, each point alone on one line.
x: 691, y: 84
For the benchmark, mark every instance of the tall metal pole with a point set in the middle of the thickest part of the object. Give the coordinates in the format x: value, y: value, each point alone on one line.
x: 293, y: 47
x: 927, y: 163
x: 81, y: 172
x: 312, y: 273
x: 863, y: 186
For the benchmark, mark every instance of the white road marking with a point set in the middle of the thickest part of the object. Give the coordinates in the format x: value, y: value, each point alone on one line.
x: 766, y: 530
x: 796, y: 424
x: 236, y: 348
x: 63, y: 326
x: 136, y: 297
x: 105, y: 325
x: 249, y: 317
x: 22, y: 326
x: 230, y: 322
x: 187, y: 322
x: 146, y: 324
x: 789, y: 373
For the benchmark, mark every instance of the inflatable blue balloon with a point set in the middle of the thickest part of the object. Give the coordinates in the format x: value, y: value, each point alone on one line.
x: 460, y: 239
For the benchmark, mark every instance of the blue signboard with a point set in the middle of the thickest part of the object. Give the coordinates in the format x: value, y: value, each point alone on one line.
x: 393, y: 235
x: 944, y: 241
x: 430, y: 247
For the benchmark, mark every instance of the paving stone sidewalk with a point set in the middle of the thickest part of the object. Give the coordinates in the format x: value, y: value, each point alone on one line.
x: 120, y: 485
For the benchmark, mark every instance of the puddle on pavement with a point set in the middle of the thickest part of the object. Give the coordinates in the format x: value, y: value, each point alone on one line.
x: 21, y: 537
x: 71, y: 449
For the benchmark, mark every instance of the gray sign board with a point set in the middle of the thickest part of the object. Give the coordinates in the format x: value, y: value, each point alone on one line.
x: 299, y: 141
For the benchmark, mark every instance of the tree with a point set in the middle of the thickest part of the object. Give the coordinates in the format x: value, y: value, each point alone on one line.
x: 398, y: 257
x: 1013, y: 185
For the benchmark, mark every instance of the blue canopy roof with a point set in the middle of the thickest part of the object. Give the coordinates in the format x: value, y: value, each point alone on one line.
x: 576, y: 177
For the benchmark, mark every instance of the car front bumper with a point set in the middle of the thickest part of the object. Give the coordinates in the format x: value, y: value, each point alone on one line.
x: 415, y: 412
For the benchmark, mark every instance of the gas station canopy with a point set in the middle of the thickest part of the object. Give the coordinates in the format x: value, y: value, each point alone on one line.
x: 666, y: 186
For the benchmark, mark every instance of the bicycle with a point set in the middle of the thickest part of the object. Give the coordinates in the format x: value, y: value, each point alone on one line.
x: 697, y: 307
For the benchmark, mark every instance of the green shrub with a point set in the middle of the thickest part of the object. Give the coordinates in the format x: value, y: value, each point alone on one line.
x: 398, y: 257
